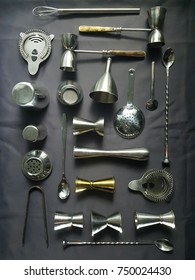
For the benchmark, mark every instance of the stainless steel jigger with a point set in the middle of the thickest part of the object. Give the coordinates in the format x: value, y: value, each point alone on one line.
x: 81, y: 126
x: 68, y: 60
x: 143, y: 220
x: 30, y: 96
x: 99, y: 222
x: 64, y: 220
x: 156, y: 16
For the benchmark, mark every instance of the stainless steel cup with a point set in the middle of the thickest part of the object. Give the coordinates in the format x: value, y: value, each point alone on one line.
x: 30, y: 96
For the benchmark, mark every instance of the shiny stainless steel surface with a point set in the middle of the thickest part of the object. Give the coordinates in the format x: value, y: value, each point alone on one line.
x: 69, y: 93
x: 105, y: 185
x: 34, y: 133
x: 162, y: 244
x: 81, y: 125
x: 99, y: 222
x: 133, y: 154
x: 167, y: 60
x: 152, y: 103
x: 36, y: 165
x: 43, y: 11
x: 156, y: 16
x: 35, y: 47
x: 68, y: 60
x: 105, y: 90
x: 143, y: 220
x: 64, y: 220
x: 156, y: 185
x: 129, y: 121
x: 63, y: 187
x: 30, y: 96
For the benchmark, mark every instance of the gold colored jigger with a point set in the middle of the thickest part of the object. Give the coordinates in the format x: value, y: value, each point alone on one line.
x: 106, y: 185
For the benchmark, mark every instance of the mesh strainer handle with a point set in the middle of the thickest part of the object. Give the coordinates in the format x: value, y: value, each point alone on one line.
x: 131, y: 86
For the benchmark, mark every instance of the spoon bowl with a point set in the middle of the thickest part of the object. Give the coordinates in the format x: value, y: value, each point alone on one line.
x: 164, y: 245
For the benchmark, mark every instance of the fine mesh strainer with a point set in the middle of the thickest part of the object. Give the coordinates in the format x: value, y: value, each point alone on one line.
x: 129, y: 121
x: 36, y: 165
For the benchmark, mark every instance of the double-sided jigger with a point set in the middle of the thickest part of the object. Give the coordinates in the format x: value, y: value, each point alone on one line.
x: 143, y: 220
x: 105, y: 185
x: 156, y: 17
x: 64, y: 220
x: 99, y: 222
x: 68, y: 60
x: 81, y: 126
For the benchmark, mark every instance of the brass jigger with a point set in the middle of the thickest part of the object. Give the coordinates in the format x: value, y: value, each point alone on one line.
x: 143, y: 220
x: 106, y: 185
x: 64, y: 220
x: 99, y: 222
x: 68, y: 60
x: 81, y: 126
x: 156, y: 16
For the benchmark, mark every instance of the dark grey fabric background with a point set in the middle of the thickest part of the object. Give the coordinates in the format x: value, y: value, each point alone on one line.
x: 179, y: 28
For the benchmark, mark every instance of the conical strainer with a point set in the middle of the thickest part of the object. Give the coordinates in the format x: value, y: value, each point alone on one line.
x: 129, y: 121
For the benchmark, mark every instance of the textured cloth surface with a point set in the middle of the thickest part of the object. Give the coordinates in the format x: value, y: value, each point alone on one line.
x: 16, y: 17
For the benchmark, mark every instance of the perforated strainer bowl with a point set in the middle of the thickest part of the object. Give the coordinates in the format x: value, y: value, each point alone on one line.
x: 36, y: 165
x: 129, y: 121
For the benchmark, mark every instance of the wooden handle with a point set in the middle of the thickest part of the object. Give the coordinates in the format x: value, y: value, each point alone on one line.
x: 127, y: 53
x: 86, y: 28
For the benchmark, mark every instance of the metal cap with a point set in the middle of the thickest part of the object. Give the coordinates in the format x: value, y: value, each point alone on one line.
x: 30, y: 133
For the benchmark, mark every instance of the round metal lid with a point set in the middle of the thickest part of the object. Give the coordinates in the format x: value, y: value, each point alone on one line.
x: 30, y: 133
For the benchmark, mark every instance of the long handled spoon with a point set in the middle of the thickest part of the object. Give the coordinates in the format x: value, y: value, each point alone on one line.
x: 63, y: 187
x: 162, y: 244
x: 167, y: 60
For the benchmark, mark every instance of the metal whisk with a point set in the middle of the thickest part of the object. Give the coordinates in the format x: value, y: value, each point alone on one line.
x: 43, y: 11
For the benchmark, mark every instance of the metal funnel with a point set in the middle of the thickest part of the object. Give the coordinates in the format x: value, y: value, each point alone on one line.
x: 156, y: 17
x: 104, y: 90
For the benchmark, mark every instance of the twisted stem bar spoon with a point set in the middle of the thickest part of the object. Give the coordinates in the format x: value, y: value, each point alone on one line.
x: 167, y: 60
x: 162, y: 244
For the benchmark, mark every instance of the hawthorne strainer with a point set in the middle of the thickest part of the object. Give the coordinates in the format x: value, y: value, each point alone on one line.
x: 36, y: 165
x: 129, y: 121
x: 155, y: 184
x: 35, y: 47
